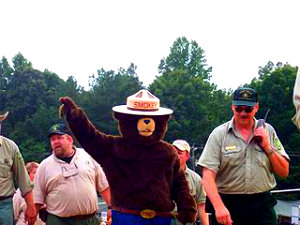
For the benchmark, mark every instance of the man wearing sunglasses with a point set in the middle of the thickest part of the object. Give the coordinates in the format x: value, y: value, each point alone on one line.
x: 67, y: 181
x: 239, y: 162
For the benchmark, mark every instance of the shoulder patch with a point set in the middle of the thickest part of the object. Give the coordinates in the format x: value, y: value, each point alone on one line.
x: 278, y: 144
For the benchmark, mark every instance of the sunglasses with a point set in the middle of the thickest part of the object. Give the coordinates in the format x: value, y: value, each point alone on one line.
x: 247, y: 109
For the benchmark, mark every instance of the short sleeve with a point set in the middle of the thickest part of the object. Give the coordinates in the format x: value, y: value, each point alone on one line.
x: 101, y: 181
x: 39, y: 185
x: 210, y: 157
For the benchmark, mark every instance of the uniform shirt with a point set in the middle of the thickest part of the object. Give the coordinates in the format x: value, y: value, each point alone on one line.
x: 240, y: 167
x: 195, y: 185
x: 196, y: 190
x: 12, y: 168
x: 20, y: 208
x: 69, y: 189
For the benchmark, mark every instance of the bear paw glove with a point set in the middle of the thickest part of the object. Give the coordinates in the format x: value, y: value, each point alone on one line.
x: 68, y: 107
x: 187, y: 217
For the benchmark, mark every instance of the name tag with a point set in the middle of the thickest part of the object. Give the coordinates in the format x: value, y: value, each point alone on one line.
x: 233, y: 147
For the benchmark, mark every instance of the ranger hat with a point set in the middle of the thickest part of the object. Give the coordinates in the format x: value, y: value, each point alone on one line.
x: 60, y: 129
x: 244, y: 96
x: 182, y: 145
x: 142, y: 103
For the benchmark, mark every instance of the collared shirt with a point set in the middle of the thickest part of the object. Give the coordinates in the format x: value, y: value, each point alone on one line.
x: 19, y: 205
x: 196, y: 190
x: 12, y: 168
x: 241, y: 167
x: 69, y: 189
x: 195, y: 184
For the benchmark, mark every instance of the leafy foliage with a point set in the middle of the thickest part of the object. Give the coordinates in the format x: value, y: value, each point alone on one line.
x: 110, y: 89
x: 183, y: 85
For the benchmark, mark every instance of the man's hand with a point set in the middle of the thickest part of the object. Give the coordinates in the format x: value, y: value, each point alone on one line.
x: 67, y: 107
x: 30, y: 215
x: 223, y: 215
x: 262, y: 134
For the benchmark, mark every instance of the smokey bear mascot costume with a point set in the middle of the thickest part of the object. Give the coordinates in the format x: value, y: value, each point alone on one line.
x: 142, y: 169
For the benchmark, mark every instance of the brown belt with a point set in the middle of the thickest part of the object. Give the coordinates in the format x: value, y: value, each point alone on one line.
x: 82, y: 217
x: 4, y: 197
x: 146, y: 213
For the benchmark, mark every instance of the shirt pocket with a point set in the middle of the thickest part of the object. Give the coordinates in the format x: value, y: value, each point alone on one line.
x: 232, y: 156
x: 5, y: 170
x: 261, y: 157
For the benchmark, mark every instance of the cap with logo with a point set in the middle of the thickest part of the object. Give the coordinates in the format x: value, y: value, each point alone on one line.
x: 60, y: 129
x: 142, y: 103
x: 182, y: 145
x: 244, y: 96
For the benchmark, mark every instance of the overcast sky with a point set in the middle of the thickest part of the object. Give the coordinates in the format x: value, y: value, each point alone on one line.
x: 71, y: 37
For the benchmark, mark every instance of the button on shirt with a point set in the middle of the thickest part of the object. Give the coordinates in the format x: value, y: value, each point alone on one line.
x: 12, y: 168
x: 241, y: 167
x: 69, y: 189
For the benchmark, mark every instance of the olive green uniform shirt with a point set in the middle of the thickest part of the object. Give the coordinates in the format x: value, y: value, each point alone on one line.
x: 196, y: 189
x: 12, y: 168
x: 241, y: 167
x: 195, y: 184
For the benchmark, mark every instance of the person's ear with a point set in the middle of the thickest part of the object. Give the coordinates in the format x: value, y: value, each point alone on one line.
x: 187, y: 156
x: 70, y: 139
x: 232, y: 108
x: 256, y: 107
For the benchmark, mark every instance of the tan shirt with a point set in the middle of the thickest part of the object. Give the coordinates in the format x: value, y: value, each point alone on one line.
x: 69, y: 189
x: 241, y: 168
x: 196, y: 190
x: 20, y: 208
x: 195, y: 184
x: 12, y: 168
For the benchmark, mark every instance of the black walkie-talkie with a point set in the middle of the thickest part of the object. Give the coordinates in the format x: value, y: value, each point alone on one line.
x: 260, y: 123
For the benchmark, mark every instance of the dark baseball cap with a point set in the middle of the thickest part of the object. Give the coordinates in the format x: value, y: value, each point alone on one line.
x: 244, y: 96
x: 60, y: 129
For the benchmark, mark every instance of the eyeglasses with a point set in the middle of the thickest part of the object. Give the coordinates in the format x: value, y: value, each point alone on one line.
x: 247, y: 109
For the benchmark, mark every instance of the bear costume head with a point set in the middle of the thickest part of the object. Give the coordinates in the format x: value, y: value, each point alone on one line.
x: 142, y: 120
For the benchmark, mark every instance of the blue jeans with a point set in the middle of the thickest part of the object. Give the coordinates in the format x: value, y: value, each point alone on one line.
x: 7, y: 212
x: 119, y: 218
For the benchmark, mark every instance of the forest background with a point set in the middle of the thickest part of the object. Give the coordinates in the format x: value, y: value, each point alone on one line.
x: 32, y: 99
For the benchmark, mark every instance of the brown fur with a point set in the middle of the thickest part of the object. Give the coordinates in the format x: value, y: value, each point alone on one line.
x: 142, y: 171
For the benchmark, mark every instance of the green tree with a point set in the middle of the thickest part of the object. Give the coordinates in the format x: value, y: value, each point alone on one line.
x: 185, y: 88
x: 32, y: 97
x: 187, y: 56
x: 110, y: 89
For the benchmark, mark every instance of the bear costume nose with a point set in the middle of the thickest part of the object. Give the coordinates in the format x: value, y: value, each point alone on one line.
x: 147, y: 121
